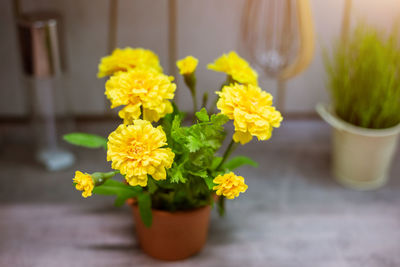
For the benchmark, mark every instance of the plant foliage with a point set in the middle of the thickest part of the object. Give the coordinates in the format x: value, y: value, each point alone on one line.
x: 178, y: 174
x: 119, y: 189
x: 86, y: 140
x: 192, y: 172
x: 364, y: 78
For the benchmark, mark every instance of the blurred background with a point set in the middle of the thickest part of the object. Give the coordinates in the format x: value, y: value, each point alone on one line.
x: 204, y: 29
x: 294, y: 213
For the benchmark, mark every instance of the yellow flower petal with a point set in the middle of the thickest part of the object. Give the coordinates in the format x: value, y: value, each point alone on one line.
x: 236, y: 67
x: 229, y: 185
x: 137, y: 150
x: 84, y: 182
x: 141, y: 88
x: 126, y: 59
x: 250, y: 109
x: 187, y: 65
x: 242, y: 137
x: 130, y: 113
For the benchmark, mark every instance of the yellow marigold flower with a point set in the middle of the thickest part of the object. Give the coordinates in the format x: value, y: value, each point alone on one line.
x: 137, y: 151
x: 187, y: 65
x: 235, y: 66
x: 229, y: 185
x: 141, y: 88
x: 84, y: 182
x: 251, y: 110
x: 128, y: 58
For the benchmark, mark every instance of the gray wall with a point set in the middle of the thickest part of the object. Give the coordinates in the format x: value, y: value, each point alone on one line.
x: 205, y: 29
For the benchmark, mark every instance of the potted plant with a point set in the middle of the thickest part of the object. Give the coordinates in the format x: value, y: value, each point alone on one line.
x: 172, y: 173
x: 364, y: 83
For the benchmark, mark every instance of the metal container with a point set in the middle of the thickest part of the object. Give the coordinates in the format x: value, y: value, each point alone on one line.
x: 39, y: 36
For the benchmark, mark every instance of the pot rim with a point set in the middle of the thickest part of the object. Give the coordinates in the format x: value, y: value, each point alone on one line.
x: 327, y: 114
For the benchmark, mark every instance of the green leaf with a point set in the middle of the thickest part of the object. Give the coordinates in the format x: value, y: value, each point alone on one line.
x: 176, y: 173
x: 119, y: 189
x: 215, y: 162
x: 209, y: 182
x: 164, y: 184
x: 144, y: 202
x: 166, y: 122
x: 193, y: 144
x: 219, y: 119
x: 86, y: 140
x: 120, y: 200
x: 177, y: 132
x: 151, y: 185
x: 238, y: 161
x: 202, y: 115
x: 202, y: 173
x: 202, y: 158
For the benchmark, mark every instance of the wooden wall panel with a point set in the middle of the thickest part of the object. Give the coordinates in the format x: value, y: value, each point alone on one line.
x: 12, y: 95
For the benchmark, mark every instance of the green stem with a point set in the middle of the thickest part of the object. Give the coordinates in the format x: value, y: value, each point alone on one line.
x: 204, y: 100
x: 190, y: 80
x: 231, y: 147
x: 221, y: 205
x: 189, y: 192
x: 100, y: 177
x: 194, y: 97
x: 108, y: 175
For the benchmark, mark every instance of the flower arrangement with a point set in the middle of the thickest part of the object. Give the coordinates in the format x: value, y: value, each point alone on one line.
x: 165, y: 164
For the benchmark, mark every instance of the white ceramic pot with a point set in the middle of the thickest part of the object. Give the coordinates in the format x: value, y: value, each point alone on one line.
x: 361, y: 156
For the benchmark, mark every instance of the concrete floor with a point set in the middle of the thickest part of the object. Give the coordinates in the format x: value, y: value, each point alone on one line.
x: 293, y: 214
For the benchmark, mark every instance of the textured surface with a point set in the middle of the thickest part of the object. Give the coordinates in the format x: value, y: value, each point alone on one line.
x: 293, y: 214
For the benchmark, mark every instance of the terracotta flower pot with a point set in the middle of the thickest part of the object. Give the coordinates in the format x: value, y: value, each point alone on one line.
x: 173, y: 235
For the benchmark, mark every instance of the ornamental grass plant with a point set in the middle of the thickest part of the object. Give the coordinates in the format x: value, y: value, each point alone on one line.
x: 364, y: 78
x: 155, y: 157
